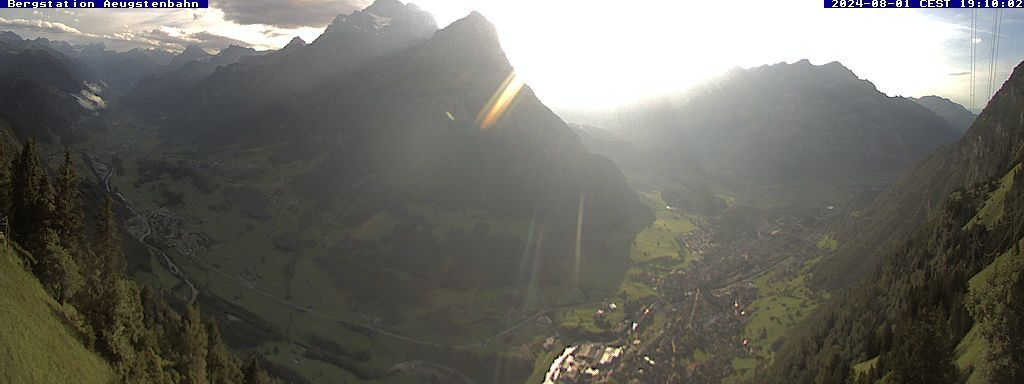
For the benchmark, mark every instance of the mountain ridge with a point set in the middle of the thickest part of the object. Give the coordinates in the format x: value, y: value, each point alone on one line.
x: 986, y: 150
x: 44, y: 93
x: 957, y: 115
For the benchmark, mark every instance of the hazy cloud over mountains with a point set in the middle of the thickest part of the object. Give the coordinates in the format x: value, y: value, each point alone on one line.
x: 286, y: 13
x: 37, y: 25
x: 203, y: 39
x: 211, y: 29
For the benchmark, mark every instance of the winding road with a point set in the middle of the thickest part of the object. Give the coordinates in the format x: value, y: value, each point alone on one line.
x: 121, y: 199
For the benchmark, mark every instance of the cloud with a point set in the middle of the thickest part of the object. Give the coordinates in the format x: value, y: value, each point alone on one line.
x: 286, y: 13
x: 210, y: 40
x: 170, y: 38
x: 959, y: 74
x: 38, y: 25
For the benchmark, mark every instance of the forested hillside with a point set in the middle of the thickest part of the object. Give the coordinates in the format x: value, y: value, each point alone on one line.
x: 993, y: 145
x: 95, y: 309
x: 942, y: 302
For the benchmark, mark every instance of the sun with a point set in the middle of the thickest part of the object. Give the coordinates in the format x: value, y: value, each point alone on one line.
x: 599, y: 54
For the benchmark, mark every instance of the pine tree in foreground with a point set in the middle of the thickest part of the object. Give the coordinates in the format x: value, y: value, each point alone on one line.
x: 106, y: 245
x: 31, y: 201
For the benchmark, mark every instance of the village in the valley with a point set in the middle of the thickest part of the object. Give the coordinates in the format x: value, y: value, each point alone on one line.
x: 708, y: 307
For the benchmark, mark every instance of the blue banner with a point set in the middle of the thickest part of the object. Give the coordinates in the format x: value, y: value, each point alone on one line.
x: 940, y: 4
x: 107, y: 4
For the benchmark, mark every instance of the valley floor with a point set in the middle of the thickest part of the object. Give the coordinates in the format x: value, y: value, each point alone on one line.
x: 256, y: 264
x: 719, y: 313
x: 703, y: 295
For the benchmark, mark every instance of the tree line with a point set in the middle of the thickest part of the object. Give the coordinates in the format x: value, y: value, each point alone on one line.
x: 909, y: 316
x: 82, y: 268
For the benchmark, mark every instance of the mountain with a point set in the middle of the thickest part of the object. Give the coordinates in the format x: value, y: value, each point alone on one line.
x: 190, y: 54
x: 386, y: 171
x: 786, y: 122
x: 396, y: 112
x: 955, y: 114
x: 406, y: 130
x: 230, y: 55
x: 175, y: 83
x: 989, y: 149
x: 241, y: 94
x: 929, y: 275
x: 616, y: 146
x: 43, y: 92
x: 10, y: 37
x: 117, y: 70
x: 295, y: 43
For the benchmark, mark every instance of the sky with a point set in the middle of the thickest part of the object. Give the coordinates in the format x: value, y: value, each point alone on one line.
x: 596, y: 54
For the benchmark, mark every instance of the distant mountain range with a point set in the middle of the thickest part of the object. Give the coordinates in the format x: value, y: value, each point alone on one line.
x: 955, y: 114
x: 929, y: 275
x: 44, y: 93
x: 261, y: 93
x: 117, y: 70
x: 989, y: 149
x: 784, y: 122
x: 172, y: 80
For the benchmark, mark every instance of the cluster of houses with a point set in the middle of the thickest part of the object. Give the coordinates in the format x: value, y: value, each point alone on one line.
x: 582, y: 363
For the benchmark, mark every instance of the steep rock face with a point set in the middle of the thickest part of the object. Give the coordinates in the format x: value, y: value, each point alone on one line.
x: 412, y: 123
x: 992, y: 146
x: 785, y: 122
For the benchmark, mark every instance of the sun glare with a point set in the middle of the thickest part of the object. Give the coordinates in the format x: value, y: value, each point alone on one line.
x: 590, y: 55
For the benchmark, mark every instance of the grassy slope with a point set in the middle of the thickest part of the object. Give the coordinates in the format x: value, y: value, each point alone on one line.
x: 970, y: 350
x: 993, y: 209
x: 655, y: 251
x: 782, y: 302
x: 36, y: 346
x: 865, y: 366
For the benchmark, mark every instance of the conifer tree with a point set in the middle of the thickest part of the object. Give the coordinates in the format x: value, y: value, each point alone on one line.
x: 31, y: 201
x: 193, y: 347
x: 254, y: 374
x: 221, y: 365
x: 59, y: 273
x: 5, y: 186
x: 68, y: 214
x: 998, y: 310
x: 107, y: 245
x: 120, y: 328
x: 922, y: 350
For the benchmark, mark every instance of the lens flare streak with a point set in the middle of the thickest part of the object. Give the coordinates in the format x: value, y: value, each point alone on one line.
x: 579, y: 238
x: 500, y: 102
